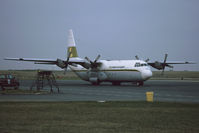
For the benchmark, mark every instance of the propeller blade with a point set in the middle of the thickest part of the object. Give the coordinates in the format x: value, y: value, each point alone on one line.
x: 88, y: 60
x: 169, y: 66
x: 93, y: 64
x: 66, y: 63
x: 147, y: 60
x: 165, y: 58
x: 97, y: 58
x: 164, y: 64
x: 137, y: 57
x: 68, y: 57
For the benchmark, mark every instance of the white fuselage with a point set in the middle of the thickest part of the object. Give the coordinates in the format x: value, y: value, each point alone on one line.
x: 115, y: 71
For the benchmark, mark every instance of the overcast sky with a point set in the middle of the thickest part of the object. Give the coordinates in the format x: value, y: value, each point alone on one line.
x: 116, y: 29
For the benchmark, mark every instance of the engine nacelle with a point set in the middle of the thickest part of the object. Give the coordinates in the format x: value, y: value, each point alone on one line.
x: 61, y: 63
x: 158, y: 65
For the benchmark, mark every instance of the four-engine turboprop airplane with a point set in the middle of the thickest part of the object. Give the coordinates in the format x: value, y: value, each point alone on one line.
x: 97, y: 71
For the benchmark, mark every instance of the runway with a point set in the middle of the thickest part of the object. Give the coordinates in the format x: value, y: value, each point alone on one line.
x: 78, y: 90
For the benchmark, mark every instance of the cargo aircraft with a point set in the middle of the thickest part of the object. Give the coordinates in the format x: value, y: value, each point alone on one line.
x: 115, y: 71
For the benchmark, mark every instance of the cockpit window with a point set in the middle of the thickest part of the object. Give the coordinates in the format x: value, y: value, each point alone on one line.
x: 144, y: 64
x: 137, y: 64
x: 140, y: 65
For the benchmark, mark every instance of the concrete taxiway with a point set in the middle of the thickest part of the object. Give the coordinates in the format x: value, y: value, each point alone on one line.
x: 77, y: 90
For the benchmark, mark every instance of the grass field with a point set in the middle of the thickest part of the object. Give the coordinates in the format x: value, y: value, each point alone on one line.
x: 31, y: 74
x: 94, y: 117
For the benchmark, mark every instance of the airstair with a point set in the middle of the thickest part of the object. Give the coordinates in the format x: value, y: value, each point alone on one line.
x: 43, y: 76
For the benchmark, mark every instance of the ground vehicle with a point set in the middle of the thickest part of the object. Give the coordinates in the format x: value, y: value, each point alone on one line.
x: 7, y: 80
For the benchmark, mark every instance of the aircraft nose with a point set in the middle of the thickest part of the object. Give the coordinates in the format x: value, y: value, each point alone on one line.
x: 146, y: 74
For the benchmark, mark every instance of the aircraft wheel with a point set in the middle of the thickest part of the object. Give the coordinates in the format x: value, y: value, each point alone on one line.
x: 141, y: 83
x: 95, y: 83
x: 116, y: 83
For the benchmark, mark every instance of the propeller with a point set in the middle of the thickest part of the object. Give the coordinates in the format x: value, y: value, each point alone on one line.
x: 137, y: 58
x: 68, y: 57
x: 147, y: 60
x: 92, y: 67
x: 164, y: 63
x: 97, y: 58
x: 93, y: 64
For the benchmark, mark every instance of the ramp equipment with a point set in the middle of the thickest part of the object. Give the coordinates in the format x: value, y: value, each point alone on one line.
x: 43, y: 76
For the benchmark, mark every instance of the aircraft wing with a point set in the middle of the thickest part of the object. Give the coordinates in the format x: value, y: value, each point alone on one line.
x: 174, y: 62
x: 160, y: 65
x: 58, y: 62
x: 47, y: 61
x: 53, y: 61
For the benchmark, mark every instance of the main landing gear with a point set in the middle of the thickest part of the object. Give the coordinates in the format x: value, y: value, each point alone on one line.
x: 95, y: 83
x: 140, y: 83
x: 116, y: 83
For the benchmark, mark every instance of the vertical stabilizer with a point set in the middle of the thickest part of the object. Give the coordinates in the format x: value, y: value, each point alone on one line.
x: 71, y: 44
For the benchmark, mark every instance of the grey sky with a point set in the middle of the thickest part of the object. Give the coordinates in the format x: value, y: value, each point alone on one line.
x: 116, y: 29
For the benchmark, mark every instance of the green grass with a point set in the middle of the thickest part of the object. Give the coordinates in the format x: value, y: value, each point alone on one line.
x: 93, y: 117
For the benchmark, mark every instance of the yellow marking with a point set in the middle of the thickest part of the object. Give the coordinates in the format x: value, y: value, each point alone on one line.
x: 70, y: 49
x: 149, y: 96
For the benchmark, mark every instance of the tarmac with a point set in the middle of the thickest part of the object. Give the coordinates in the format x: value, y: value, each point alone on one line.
x: 77, y: 90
